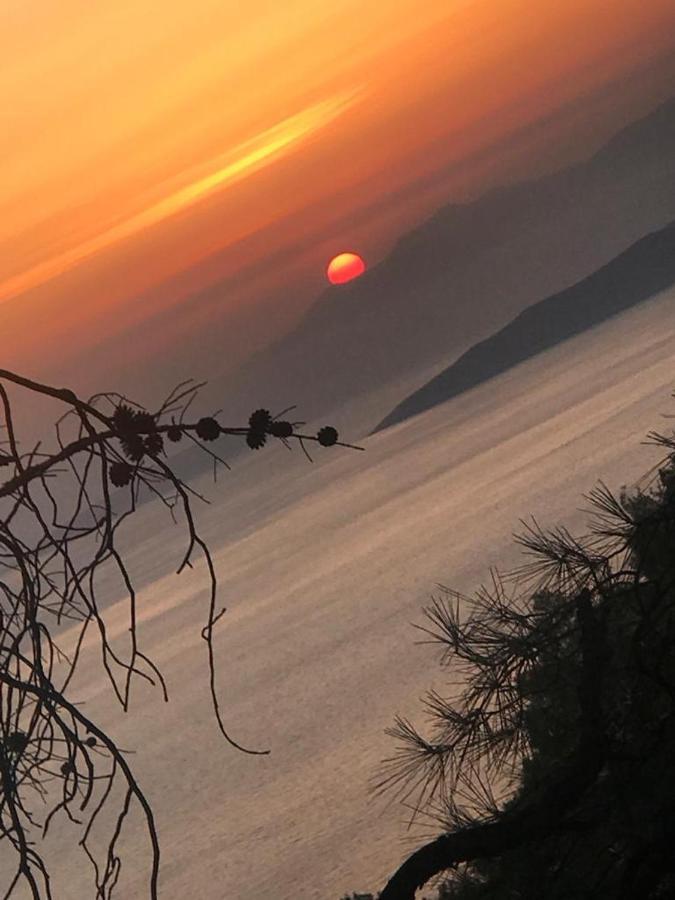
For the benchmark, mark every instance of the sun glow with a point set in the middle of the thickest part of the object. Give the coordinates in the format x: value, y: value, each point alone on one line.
x: 227, y: 169
x: 157, y: 152
x: 345, y: 267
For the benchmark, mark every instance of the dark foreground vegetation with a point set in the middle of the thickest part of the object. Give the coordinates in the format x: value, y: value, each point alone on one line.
x: 547, y: 769
x: 550, y: 769
x: 64, y: 505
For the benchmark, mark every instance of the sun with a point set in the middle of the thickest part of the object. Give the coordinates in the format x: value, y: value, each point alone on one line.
x: 345, y: 267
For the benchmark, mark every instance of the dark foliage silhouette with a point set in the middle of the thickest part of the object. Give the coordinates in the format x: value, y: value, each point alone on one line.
x: 549, y: 765
x: 61, y: 511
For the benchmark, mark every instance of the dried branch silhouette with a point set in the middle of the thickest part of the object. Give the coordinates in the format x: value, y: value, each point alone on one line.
x: 562, y: 720
x: 60, y: 515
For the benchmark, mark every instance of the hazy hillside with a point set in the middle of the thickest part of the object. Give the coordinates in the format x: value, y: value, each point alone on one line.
x: 467, y: 271
x: 637, y: 274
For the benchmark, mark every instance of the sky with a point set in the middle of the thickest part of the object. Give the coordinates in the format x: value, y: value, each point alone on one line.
x: 157, y: 153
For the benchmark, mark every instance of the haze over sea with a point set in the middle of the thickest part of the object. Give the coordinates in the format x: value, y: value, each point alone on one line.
x: 323, y: 568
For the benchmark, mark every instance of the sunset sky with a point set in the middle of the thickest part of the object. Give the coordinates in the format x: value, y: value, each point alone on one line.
x: 152, y: 151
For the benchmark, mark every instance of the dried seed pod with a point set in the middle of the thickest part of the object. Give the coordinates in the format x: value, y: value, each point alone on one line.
x: 153, y: 444
x: 255, y: 439
x: 120, y: 473
x: 260, y: 420
x: 280, y: 429
x: 208, y: 429
x: 327, y: 436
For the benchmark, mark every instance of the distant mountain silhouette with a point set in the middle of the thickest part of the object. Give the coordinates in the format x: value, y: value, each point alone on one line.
x: 466, y: 272
x: 637, y: 274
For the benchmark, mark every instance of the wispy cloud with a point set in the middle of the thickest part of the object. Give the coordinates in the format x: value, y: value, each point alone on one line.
x: 238, y: 163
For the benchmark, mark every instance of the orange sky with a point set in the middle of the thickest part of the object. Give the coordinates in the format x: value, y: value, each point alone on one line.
x: 151, y: 149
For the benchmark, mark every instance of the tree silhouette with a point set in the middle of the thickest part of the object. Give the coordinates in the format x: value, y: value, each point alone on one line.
x: 60, y: 514
x: 549, y: 765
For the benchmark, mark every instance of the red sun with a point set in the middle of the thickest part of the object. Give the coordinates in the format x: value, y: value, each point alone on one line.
x: 345, y: 267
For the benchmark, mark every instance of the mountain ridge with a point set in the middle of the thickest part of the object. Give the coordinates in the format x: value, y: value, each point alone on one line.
x: 640, y: 272
x: 466, y: 271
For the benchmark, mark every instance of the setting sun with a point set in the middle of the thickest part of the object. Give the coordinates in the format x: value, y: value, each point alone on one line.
x: 345, y: 267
